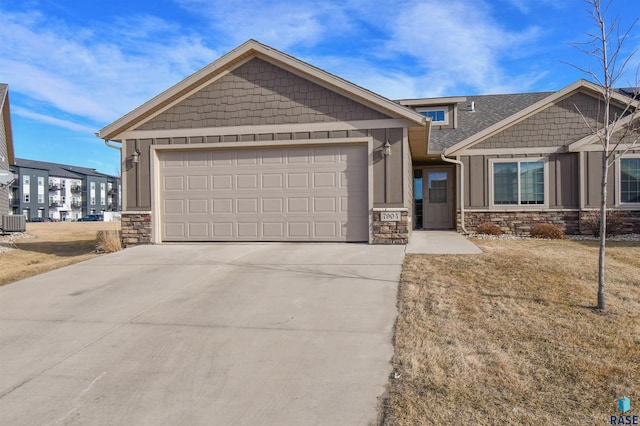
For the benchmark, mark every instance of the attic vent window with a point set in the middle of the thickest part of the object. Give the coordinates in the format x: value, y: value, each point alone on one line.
x: 439, y: 116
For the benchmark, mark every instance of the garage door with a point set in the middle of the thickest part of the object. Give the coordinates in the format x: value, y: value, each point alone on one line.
x: 311, y: 193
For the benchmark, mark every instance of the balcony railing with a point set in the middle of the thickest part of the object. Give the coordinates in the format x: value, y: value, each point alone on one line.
x: 112, y: 192
x: 76, y: 188
x: 55, y: 204
x: 54, y: 187
x: 77, y: 204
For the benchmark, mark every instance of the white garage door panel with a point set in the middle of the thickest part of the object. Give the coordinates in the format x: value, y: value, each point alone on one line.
x: 265, y: 194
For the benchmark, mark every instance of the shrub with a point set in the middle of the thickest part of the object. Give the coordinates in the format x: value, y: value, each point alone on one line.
x: 489, y: 228
x: 547, y: 231
x: 109, y: 241
x: 614, y: 224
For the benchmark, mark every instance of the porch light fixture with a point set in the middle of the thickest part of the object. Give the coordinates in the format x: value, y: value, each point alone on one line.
x: 386, y: 149
x: 135, y: 157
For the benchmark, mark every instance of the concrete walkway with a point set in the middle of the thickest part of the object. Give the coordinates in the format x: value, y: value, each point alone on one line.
x: 440, y: 242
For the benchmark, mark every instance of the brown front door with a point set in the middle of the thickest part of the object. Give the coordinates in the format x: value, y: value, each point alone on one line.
x: 437, y: 187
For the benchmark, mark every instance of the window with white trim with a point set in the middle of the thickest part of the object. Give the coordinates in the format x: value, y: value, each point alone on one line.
x: 92, y: 193
x: 103, y: 194
x: 518, y: 183
x: 40, y: 190
x: 439, y: 115
x: 630, y: 180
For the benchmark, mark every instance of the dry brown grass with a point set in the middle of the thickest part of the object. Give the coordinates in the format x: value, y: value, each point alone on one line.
x: 511, y: 336
x: 109, y: 241
x: 55, y: 245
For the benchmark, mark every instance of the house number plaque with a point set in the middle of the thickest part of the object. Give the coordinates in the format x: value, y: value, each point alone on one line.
x: 390, y: 216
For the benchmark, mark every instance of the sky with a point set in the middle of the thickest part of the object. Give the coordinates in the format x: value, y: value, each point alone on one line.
x: 75, y: 66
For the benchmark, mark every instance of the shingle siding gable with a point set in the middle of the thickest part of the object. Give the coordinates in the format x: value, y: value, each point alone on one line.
x: 260, y: 93
x: 558, y: 125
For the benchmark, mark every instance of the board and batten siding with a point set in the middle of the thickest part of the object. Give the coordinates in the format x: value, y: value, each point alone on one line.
x: 592, y: 165
x: 563, y: 175
x: 138, y: 176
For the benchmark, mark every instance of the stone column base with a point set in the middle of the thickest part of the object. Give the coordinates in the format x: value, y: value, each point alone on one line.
x: 390, y: 226
x: 136, y: 228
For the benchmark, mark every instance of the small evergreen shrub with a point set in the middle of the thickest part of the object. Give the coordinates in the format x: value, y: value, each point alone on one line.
x: 489, y: 228
x: 547, y: 231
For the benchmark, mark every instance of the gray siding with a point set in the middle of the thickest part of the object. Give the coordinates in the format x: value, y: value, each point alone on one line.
x: 562, y: 180
x: 4, y: 165
x: 138, y: 186
x: 593, y: 178
x: 564, y: 185
x: 558, y: 125
x: 259, y: 93
x: 33, y: 205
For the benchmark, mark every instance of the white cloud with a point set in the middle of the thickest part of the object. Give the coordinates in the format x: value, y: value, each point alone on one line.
x: 280, y: 24
x: 79, y: 71
x: 459, y: 43
x: 66, y: 124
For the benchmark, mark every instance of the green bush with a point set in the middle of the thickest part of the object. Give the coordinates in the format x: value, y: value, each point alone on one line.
x: 547, y: 231
x: 489, y: 228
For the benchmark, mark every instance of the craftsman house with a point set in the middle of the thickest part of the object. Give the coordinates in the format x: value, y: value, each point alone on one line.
x: 260, y: 146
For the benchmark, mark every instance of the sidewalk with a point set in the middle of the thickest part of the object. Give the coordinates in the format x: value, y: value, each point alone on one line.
x: 440, y: 242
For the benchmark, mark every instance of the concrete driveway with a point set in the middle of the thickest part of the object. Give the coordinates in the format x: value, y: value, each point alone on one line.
x: 202, y: 334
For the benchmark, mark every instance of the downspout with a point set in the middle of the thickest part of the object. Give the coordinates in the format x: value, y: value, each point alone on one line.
x: 461, y: 164
x: 108, y: 142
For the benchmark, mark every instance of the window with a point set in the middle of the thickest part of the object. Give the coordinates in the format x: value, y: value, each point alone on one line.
x: 437, y: 187
x: 518, y: 183
x: 103, y: 198
x: 92, y: 193
x: 438, y: 116
x: 630, y: 180
x: 40, y: 190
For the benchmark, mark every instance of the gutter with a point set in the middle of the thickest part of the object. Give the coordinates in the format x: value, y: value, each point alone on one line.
x: 461, y: 164
x: 108, y: 142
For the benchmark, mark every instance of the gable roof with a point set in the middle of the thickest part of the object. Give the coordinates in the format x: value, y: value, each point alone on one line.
x: 234, y: 58
x: 522, y: 114
x: 5, y: 115
x: 619, y: 126
x: 488, y: 110
x: 61, y: 170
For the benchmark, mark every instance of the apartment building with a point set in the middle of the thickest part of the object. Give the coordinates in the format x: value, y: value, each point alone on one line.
x: 62, y: 192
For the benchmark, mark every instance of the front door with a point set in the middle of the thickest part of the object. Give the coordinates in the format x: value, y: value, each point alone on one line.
x: 437, y: 187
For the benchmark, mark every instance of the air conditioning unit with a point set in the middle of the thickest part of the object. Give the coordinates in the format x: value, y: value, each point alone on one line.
x: 14, y: 223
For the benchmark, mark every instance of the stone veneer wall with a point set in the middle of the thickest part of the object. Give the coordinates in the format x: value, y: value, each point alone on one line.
x: 629, y: 221
x: 520, y: 223
x: 570, y: 221
x: 136, y: 228
x: 395, y: 232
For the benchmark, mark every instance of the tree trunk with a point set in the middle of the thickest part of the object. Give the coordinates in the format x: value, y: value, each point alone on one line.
x: 603, y: 230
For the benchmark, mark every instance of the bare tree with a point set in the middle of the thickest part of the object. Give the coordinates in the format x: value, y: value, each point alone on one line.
x: 616, y: 129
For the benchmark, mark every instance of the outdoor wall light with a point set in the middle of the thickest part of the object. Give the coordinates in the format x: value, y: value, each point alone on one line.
x: 386, y: 149
x: 135, y: 157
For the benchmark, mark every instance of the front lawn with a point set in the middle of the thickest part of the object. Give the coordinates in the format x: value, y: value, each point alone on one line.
x: 511, y: 336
